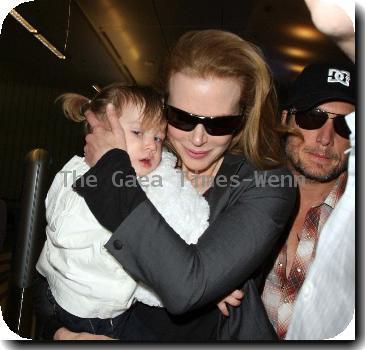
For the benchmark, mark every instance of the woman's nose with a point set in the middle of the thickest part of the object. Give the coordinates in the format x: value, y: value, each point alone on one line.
x: 198, y: 136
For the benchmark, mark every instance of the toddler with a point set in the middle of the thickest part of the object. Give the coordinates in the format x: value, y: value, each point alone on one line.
x: 89, y: 289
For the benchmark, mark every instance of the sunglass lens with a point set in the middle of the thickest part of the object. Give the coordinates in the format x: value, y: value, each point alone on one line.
x: 341, y: 127
x: 179, y: 119
x: 315, y: 119
x: 223, y: 125
x: 311, y: 120
x: 217, y: 126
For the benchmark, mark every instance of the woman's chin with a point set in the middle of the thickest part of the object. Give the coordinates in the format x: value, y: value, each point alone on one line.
x: 197, y: 166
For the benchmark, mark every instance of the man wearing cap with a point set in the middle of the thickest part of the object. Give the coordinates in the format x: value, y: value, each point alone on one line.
x: 320, y: 98
x: 326, y: 302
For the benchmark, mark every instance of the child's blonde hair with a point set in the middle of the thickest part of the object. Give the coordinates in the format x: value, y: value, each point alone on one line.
x: 120, y: 95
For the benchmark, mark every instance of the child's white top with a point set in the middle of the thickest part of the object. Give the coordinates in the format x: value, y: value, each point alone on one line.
x: 182, y: 207
x: 84, y: 278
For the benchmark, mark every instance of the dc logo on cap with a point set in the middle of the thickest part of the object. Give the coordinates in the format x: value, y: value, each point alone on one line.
x: 338, y: 76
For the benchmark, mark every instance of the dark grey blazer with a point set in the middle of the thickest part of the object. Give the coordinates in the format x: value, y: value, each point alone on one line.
x: 245, y: 223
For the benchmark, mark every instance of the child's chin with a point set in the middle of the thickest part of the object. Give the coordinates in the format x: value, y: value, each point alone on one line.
x: 141, y: 172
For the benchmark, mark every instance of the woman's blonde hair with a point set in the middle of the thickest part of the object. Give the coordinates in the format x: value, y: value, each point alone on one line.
x: 216, y: 53
x: 120, y: 95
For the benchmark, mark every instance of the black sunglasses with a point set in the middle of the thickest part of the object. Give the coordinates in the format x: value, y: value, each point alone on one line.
x: 316, y: 118
x: 215, y: 126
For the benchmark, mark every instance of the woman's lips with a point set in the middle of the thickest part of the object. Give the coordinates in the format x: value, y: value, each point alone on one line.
x: 195, y: 154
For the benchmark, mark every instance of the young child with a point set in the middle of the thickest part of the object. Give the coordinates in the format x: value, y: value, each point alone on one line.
x: 90, y: 290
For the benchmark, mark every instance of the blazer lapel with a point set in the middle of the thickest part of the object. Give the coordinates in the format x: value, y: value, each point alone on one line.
x: 218, y: 195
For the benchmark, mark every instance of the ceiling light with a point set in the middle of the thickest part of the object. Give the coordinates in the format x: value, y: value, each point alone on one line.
x: 49, y: 46
x: 34, y: 31
x: 295, y: 67
x: 23, y: 22
x: 296, y: 52
x: 131, y: 47
x: 305, y: 32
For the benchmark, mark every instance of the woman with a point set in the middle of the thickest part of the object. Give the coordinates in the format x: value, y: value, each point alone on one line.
x: 220, y: 106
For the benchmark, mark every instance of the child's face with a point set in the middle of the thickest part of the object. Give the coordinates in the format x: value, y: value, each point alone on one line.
x: 143, y: 146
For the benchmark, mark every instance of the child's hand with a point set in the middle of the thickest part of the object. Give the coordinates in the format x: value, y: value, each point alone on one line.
x: 103, y: 138
x: 233, y: 299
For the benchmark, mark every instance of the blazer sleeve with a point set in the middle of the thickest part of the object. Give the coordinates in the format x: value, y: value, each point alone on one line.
x: 233, y: 247
x: 110, y: 189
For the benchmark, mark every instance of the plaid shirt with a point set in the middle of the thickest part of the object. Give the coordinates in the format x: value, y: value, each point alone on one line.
x: 280, y: 292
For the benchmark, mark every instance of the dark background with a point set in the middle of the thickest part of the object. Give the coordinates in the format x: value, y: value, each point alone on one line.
x: 122, y: 40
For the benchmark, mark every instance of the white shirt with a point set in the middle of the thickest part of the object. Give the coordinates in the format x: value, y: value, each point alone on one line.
x: 84, y: 278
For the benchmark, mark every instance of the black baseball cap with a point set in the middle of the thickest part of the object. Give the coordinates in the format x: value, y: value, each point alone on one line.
x: 321, y: 82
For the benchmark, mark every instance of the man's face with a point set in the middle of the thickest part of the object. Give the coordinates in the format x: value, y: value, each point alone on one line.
x: 319, y: 156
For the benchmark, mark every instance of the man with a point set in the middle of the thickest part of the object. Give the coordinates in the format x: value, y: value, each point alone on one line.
x: 326, y: 302
x: 321, y: 96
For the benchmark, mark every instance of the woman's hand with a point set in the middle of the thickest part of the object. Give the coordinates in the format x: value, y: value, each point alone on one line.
x: 233, y: 299
x: 64, y: 334
x: 102, y: 138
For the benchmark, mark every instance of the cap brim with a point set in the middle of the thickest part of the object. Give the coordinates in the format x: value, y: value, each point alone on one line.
x: 313, y: 100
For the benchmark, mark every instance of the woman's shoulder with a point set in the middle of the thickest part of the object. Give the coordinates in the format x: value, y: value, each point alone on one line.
x: 244, y: 174
x: 244, y: 166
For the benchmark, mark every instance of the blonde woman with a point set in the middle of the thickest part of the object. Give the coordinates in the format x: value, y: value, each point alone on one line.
x: 221, y: 110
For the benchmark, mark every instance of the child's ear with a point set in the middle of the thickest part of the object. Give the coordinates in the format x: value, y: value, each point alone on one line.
x: 284, y: 116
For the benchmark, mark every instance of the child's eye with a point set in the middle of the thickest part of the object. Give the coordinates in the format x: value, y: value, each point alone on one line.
x: 158, y: 139
x: 137, y: 132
